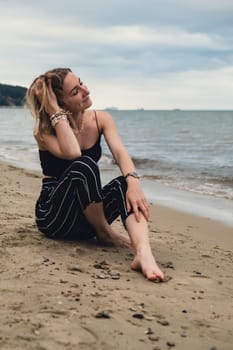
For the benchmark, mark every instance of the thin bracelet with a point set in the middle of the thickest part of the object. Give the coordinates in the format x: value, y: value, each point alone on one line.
x: 57, y: 119
x: 57, y: 114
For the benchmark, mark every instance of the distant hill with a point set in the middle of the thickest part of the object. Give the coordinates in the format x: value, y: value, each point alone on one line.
x: 12, y: 95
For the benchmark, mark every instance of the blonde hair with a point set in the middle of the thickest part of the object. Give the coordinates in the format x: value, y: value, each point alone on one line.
x: 37, y: 96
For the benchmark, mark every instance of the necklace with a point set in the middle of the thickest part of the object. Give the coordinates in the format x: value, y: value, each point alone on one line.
x: 79, y: 124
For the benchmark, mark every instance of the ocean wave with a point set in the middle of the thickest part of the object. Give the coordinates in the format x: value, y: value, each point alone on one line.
x: 214, y: 189
x: 191, y: 151
x: 142, y: 162
x: 188, y: 179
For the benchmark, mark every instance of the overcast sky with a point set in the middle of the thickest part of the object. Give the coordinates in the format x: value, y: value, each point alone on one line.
x: 152, y: 54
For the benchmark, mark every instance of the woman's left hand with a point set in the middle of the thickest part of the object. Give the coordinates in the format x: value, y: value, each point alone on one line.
x: 136, y: 201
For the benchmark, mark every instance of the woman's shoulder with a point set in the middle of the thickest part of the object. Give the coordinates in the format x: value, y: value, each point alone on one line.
x: 93, y: 114
x: 105, y: 119
x: 103, y: 115
x: 101, y: 112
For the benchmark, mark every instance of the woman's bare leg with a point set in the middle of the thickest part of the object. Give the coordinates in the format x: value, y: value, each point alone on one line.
x: 138, y: 233
x: 94, y: 213
x: 144, y: 259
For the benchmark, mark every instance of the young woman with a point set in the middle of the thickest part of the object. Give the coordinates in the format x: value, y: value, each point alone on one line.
x: 72, y: 203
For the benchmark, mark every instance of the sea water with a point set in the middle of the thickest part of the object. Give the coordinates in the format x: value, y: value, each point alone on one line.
x: 185, y: 157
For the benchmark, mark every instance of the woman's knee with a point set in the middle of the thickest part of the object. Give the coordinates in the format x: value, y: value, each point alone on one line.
x: 121, y: 184
x: 84, y: 175
x: 84, y: 165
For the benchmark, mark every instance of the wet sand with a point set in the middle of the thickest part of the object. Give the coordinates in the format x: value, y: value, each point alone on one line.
x: 78, y: 295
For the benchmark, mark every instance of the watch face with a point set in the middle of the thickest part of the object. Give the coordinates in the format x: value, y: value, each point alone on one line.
x: 134, y: 174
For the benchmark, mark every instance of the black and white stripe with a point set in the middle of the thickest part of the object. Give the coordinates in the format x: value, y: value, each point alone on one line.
x: 59, y: 208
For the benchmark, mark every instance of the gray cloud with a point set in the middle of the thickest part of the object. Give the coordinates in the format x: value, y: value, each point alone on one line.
x: 131, y: 43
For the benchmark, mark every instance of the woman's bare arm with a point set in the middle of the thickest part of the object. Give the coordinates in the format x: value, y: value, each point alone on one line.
x: 135, y: 197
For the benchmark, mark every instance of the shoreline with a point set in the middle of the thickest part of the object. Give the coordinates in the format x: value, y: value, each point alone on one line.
x: 62, y: 295
x: 215, y: 208
x: 184, y: 201
x: 201, y: 205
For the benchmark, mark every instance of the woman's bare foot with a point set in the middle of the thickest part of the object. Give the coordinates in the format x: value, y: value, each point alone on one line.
x: 115, y: 239
x: 121, y: 241
x: 145, y: 262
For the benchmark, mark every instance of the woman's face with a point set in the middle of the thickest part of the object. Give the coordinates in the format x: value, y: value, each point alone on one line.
x: 76, y: 94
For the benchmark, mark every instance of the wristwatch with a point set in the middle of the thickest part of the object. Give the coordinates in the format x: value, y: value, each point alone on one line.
x: 133, y: 174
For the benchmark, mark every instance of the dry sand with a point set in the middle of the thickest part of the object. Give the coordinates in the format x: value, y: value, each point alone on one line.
x: 77, y: 295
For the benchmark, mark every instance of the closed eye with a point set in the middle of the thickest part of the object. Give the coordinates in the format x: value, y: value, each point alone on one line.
x: 74, y: 91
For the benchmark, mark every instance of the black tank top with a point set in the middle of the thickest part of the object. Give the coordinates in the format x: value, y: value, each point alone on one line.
x: 54, y: 166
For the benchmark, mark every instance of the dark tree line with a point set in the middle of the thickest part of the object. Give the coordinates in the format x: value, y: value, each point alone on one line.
x: 12, y: 95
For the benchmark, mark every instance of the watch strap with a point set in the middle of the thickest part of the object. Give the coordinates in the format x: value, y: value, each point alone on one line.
x: 133, y: 174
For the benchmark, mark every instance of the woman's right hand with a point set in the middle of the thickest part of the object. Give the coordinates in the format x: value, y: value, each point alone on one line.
x: 52, y: 105
x: 45, y: 94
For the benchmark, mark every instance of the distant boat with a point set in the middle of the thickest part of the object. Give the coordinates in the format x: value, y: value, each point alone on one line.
x: 111, y: 109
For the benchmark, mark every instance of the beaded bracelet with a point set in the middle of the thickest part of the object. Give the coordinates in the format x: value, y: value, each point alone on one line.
x: 59, y: 115
x: 57, y: 119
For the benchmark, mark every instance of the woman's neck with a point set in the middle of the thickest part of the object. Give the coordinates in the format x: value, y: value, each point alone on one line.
x: 76, y: 121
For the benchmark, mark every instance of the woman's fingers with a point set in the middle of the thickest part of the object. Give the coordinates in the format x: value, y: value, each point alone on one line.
x: 138, y: 204
x: 143, y: 208
x: 128, y: 205
x: 50, y: 90
x: 52, y: 99
x: 136, y: 212
x: 145, y: 212
x: 38, y: 87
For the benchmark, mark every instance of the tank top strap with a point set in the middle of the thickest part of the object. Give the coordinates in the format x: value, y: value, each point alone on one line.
x: 97, y: 124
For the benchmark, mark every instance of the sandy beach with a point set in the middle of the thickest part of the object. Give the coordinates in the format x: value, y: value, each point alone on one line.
x: 77, y: 295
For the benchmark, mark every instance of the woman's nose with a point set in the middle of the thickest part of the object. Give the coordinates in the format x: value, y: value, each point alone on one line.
x: 85, y: 89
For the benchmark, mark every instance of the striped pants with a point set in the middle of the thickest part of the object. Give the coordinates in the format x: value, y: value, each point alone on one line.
x: 60, y: 206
